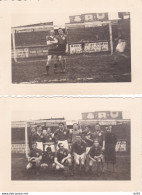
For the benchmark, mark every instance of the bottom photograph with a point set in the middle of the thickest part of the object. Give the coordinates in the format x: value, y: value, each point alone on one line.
x: 71, y: 144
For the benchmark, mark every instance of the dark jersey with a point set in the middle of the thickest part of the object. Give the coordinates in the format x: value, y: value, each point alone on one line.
x: 61, y: 135
x: 79, y: 148
x: 36, y: 138
x: 62, y: 40
x: 75, y: 133
x: 95, y: 151
x: 60, y: 155
x: 48, y: 157
x: 54, y: 45
x: 48, y: 138
x: 100, y: 137
x: 90, y: 136
x: 35, y: 153
x: 110, y: 140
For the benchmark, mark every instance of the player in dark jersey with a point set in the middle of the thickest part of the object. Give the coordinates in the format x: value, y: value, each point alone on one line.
x: 88, y: 138
x: 48, y: 139
x: 48, y: 159
x: 31, y: 140
x: 62, y: 41
x: 63, y: 158
x: 52, y: 44
x: 37, y: 137
x: 78, y: 151
x: 34, y: 159
x: 62, y: 135
x: 100, y: 136
x: 75, y: 132
x: 95, y: 157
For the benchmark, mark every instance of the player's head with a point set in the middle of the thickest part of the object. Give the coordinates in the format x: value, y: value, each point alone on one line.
x: 87, y: 128
x: 48, y: 149
x: 44, y: 131
x: 34, y: 145
x: 78, y: 139
x: 96, y: 143
x: 48, y: 130
x: 60, y: 146
x: 52, y: 32
x: 75, y: 126
x: 109, y: 130
x: 39, y: 128
x: 61, y: 126
x: 33, y: 129
x: 60, y: 31
x: 97, y: 127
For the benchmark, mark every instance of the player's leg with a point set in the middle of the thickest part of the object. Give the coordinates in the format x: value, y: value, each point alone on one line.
x: 29, y: 166
x: 48, y: 64
x: 55, y: 62
x: 76, y: 162
x: 62, y: 63
x: 90, y: 166
x: 82, y: 161
x: 38, y: 163
x: 99, y: 167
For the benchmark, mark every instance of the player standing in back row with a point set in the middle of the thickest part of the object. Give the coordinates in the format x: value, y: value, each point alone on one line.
x: 62, y: 41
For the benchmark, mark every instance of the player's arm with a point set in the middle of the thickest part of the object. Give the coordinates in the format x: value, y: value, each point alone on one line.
x: 89, y: 138
x: 91, y: 158
x: 67, y: 157
x: 57, y: 163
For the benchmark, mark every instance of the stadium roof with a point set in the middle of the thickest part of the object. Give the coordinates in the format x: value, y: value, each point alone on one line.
x: 33, y: 25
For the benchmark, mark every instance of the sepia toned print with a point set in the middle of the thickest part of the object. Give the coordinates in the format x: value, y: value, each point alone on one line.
x: 95, y: 147
x: 83, y: 48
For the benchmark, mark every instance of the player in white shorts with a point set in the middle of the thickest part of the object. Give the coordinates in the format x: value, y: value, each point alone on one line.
x: 78, y: 151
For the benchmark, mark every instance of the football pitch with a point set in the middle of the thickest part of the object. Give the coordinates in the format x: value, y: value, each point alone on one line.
x: 19, y: 162
x: 88, y: 68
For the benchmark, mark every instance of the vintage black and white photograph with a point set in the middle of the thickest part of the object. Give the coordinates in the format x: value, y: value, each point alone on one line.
x: 71, y: 47
x: 74, y: 144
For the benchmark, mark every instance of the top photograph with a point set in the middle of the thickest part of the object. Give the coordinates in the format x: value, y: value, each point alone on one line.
x: 81, y: 48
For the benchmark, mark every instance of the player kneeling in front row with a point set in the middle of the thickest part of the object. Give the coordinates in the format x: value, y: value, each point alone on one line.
x: 34, y: 159
x: 48, y: 159
x: 78, y: 151
x: 95, y: 158
x: 63, y: 159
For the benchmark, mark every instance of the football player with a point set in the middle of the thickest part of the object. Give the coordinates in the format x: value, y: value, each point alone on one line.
x: 78, y: 151
x: 48, y: 159
x: 37, y: 137
x: 48, y: 139
x: 34, y: 158
x: 100, y: 136
x: 62, y: 135
x: 75, y: 132
x: 95, y: 157
x: 52, y: 44
x: 63, y: 159
x: 62, y: 41
x: 88, y: 138
x: 31, y: 137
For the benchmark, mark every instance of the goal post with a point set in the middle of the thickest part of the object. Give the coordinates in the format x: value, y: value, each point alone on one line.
x: 14, y: 45
x: 97, y: 37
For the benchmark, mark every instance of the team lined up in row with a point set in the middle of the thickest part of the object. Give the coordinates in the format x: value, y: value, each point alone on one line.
x: 71, y: 149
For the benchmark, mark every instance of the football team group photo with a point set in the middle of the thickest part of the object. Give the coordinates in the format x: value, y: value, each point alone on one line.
x: 94, y: 147
x: 82, y: 48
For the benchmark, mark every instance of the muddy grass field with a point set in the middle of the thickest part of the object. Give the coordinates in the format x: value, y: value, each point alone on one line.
x: 81, y: 68
x: 19, y: 162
